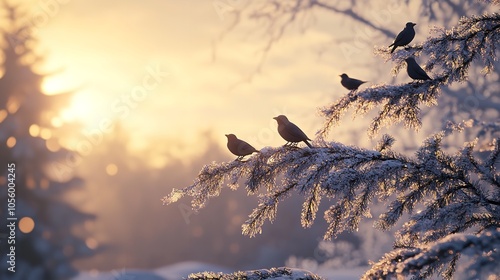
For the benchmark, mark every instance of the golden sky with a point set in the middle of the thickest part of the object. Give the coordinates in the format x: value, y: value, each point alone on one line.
x: 106, y: 50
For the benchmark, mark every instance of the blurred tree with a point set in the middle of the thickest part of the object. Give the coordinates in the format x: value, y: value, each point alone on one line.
x: 46, y: 250
x: 449, y: 203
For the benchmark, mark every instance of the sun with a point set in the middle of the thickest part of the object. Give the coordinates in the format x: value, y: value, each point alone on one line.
x: 59, y: 83
x: 81, y: 105
x: 80, y: 109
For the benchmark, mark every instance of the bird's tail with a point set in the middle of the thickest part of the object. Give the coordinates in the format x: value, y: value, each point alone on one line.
x: 308, y: 144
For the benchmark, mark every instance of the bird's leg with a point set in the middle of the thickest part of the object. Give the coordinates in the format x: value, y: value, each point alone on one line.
x: 415, y: 83
x: 294, y: 146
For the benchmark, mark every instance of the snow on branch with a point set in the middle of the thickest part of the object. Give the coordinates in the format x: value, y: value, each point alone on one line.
x: 450, y: 53
x: 457, y: 187
x: 281, y: 273
x: 442, y: 256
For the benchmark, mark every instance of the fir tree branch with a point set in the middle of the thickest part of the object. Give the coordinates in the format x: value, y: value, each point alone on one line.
x: 452, y: 52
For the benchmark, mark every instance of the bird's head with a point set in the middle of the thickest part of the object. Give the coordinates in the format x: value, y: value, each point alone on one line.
x: 344, y: 76
x: 281, y: 119
x: 231, y: 136
x: 410, y: 24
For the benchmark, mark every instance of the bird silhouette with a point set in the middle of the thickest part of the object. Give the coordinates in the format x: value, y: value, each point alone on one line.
x: 404, y: 37
x: 415, y: 71
x: 290, y: 132
x: 239, y: 147
x: 350, y: 83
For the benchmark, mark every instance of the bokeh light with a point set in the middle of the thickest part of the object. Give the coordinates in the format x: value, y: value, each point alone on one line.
x: 91, y: 243
x: 34, y: 130
x: 45, y: 133
x: 11, y: 142
x: 111, y: 169
x: 3, y: 115
x: 53, y: 145
x: 26, y: 225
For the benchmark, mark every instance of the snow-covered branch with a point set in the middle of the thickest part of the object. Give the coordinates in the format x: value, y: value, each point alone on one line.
x: 451, y: 53
x: 441, y: 257
x: 352, y: 177
x: 261, y: 274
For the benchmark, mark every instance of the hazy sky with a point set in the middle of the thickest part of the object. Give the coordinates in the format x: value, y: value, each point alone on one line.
x: 106, y: 49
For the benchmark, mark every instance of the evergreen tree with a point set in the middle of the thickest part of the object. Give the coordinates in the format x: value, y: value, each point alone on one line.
x: 449, y: 203
x: 47, y: 250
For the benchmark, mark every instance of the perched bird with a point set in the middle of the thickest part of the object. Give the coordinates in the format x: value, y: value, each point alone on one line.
x: 290, y: 132
x: 404, y: 37
x: 415, y: 71
x: 350, y: 83
x: 239, y: 147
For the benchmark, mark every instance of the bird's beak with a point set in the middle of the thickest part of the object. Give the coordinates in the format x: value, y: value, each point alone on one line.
x: 226, y: 135
x: 275, y: 118
x: 414, y: 24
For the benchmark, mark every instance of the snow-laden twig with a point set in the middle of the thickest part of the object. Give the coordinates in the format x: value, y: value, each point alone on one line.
x: 352, y: 177
x: 451, y: 53
x: 428, y: 259
x: 281, y: 273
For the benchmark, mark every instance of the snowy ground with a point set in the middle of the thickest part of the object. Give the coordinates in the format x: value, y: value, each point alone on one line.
x: 182, y: 270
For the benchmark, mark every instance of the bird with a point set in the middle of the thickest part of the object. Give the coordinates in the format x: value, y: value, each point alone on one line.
x: 239, y: 147
x: 350, y: 83
x: 404, y: 37
x: 415, y: 71
x: 290, y: 132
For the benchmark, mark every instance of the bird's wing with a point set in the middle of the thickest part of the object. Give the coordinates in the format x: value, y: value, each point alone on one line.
x: 296, y: 132
x: 358, y: 82
x: 245, y: 147
x: 399, y: 37
x: 421, y: 71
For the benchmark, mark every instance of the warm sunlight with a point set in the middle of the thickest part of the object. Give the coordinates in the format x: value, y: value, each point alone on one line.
x: 81, y: 109
x: 59, y: 83
x: 83, y: 104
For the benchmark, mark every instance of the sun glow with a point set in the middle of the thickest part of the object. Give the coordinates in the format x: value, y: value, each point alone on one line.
x: 81, y: 106
x: 80, y: 109
x: 59, y: 83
